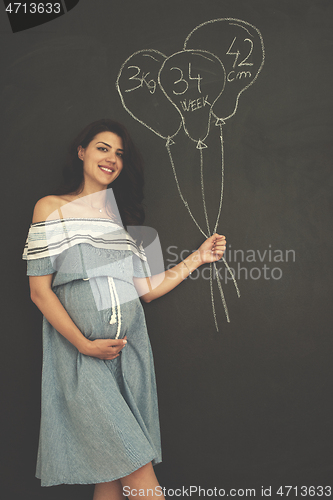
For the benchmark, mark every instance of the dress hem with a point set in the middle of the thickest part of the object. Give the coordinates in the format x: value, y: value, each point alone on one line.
x: 100, y: 481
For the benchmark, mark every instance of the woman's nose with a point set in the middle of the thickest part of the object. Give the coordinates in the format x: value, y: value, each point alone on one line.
x: 111, y: 157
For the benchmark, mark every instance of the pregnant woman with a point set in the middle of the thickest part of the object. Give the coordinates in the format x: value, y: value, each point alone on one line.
x: 99, y: 422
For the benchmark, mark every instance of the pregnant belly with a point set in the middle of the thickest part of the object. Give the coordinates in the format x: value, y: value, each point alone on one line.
x: 93, y: 309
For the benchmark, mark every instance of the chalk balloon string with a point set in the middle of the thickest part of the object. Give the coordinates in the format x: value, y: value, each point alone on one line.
x: 206, y: 235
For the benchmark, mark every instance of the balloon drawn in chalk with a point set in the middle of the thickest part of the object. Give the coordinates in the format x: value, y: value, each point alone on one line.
x: 240, y: 47
x: 143, y: 98
x: 192, y: 89
x: 193, y: 80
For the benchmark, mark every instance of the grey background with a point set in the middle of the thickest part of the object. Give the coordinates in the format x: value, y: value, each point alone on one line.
x: 247, y: 406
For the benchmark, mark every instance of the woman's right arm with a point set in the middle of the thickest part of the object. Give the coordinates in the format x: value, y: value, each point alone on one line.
x: 48, y: 303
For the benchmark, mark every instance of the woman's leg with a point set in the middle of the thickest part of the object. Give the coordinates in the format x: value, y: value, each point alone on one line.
x: 143, y: 479
x: 109, y: 491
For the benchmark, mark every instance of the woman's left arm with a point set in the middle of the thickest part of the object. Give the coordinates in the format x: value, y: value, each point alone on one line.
x: 210, y: 251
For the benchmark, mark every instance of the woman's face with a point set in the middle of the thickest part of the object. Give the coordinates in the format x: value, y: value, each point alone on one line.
x: 102, y: 160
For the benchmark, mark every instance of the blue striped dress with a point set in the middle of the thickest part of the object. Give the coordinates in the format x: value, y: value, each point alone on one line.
x: 99, y: 419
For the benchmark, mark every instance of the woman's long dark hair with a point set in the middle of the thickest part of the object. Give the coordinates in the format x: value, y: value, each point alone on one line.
x: 127, y: 187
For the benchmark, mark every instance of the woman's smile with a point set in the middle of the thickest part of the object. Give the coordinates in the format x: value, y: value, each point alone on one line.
x: 106, y: 169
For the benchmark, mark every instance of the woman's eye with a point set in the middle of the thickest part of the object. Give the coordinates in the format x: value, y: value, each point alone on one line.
x: 102, y: 149
x: 120, y: 155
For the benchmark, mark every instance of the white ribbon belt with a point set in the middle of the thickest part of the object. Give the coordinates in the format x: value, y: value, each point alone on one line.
x: 115, y: 305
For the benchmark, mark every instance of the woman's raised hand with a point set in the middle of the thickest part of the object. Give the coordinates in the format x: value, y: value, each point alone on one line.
x: 212, y: 249
x: 105, y: 348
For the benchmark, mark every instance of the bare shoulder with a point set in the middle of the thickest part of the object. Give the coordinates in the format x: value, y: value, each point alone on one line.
x: 46, y: 207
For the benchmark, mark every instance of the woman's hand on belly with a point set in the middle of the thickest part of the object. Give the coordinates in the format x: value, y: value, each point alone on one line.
x: 104, y: 348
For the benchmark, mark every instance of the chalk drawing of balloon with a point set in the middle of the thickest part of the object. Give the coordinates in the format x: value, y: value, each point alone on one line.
x: 141, y: 95
x: 193, y: 80
x: 240, y: 47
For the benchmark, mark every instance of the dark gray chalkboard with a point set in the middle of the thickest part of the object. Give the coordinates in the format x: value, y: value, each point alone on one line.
x: 249, y: 405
